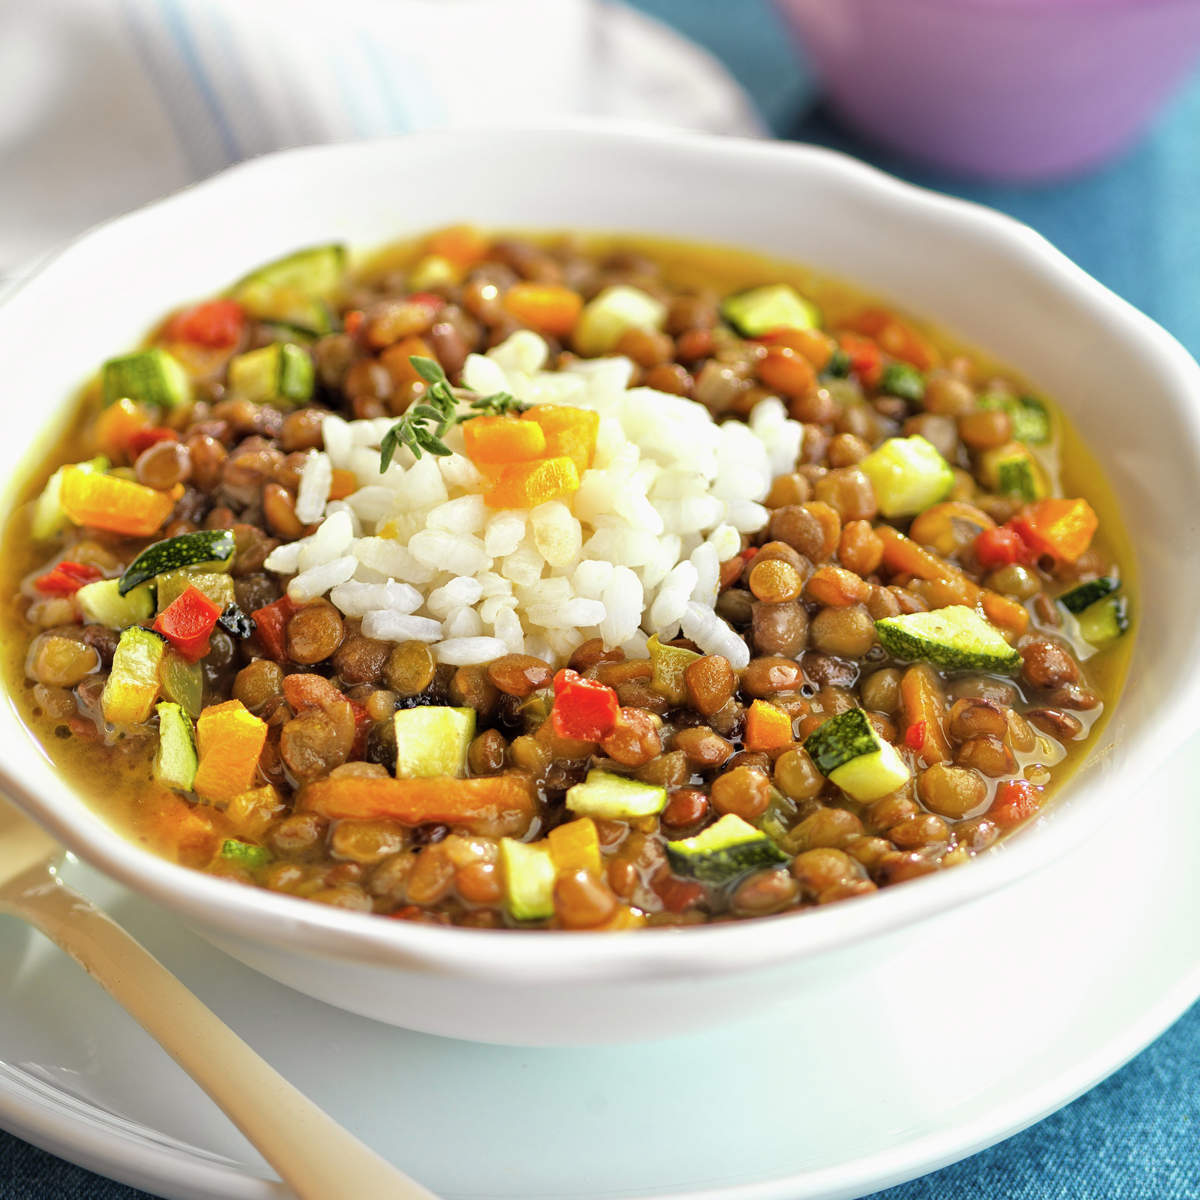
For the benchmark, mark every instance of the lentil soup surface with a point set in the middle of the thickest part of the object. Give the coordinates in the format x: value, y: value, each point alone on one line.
x: 785, y: 600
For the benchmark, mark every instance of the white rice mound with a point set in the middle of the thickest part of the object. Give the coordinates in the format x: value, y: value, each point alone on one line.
x: 417, y: 555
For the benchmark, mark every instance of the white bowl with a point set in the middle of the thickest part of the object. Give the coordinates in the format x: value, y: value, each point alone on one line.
x: 995, y: 283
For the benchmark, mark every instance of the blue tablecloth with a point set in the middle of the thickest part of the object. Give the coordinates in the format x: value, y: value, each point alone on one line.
x: 1135, y: 225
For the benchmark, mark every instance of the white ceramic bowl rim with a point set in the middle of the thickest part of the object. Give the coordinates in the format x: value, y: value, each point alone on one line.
x: 680, y: 953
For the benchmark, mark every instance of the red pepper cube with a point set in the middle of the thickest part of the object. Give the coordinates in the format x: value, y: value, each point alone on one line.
x: 1016, y: 801
x: 1001, y: 546
x: 583, y: 709
x: 142, y: 439
x: 215, y: 323
x: 66, y: 578
x: 914, y: 735
x: 187, y: 623
x: 271, y: 627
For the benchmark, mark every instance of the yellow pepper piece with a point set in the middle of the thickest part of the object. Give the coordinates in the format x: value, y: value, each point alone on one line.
x: 230, y: 739
x: 576, y: 846
x: 526, y: 485
x: 112, y: 503
x: 569, y: 431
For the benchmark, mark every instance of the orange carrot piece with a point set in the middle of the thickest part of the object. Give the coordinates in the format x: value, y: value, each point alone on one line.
x: 116, y: 425
x: 570, y: 432
x: 767, y: 727
x: 344, y: 484
x: 924, y: 706
x: 1062, y: 528
x: 575, y: 846
x: 903, y: 555
x: 490, y: 805
x: 526, y: 485
x: 547, y: 308
x: 230, y: 740
x: 463, y: 245
x: 112, y: 503
x: 503, y: 440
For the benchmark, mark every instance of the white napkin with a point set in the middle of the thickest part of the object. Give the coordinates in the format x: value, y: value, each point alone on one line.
x: 106, y: 104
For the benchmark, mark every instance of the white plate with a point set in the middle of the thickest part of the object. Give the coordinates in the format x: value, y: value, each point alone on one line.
x: 739, y: 1113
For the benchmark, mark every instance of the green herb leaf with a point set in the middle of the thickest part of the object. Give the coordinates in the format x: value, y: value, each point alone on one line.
x: 429, y: 369
x: 499, y: 405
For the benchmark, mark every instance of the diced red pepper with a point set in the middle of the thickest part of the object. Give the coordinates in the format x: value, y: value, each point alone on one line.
x: 187, y: 623
x: 866, y: 359
x: 678, y: 895
x: 215, y: 323
x: 271, y: 627
x: 914, y: 735
x: 362, y: 726
x: 427, y: 299
x: 1001, y: 546
x: 583, y: 709
x: 352, y: 322
x: 66, y: 578
x: 1016, y: 801
x: 141, y: 440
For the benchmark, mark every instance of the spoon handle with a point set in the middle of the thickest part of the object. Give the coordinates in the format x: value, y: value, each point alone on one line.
x: 314, y: 1155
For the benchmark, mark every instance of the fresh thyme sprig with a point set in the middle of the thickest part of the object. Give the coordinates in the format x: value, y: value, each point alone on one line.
x: 425, y: 425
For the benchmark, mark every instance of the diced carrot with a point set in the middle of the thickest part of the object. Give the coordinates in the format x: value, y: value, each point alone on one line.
x: 116, y: 425
x: 767, y: 727
x: 344, y: 484
x: 463, y: 245
x: 895, y: 337
x: 903, y: 555
x: 526, y: 485
x: 112, y: 503
x: 1061, y: 528
x: 548, y: 308
x: 230, y: 740
x: 143, y: 439
x: 215, y: 323
x: 813, y: 344
x: 678, y: 895
x: 352, y: 322
x: 490, y: 805
x: 570, y: 432
x: 924, y: 707
x: 576, y: 846
x: 503, y: 440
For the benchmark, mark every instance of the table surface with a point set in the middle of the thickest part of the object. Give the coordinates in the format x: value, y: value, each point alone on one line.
x: 1134, y: 225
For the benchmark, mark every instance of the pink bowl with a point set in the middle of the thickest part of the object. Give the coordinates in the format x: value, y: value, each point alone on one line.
x: 1013, y: 89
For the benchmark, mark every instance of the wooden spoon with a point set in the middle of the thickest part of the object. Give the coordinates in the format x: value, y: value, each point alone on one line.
x: 314, y: 1155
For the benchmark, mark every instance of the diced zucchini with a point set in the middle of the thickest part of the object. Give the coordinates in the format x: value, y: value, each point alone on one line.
x: 281, y: 371
x: 1030, y: 419
x: 903, y: 380
x: 1104, y: 621
x: 908, y: 475
x: 668, y: 664
x: 610, y: 314
x: 245, y: 854
x: 774, y: 306
x: 1081, y: 596
x: 726, y: 849
x: 838, y: 366
x: 1011, y: 470
x: 216, y: 585
x: 432, y: 740
x: 49, y: 516
x: 848, y: 751
x: 615, y: 798
x: 175, y: 760
x: 101, y: 603
x: 132, y: 685
x: 529, y: 873
x: 296, y: 289
x: 204, y: 548
x: 182, y: 682
x: 146, y: 377
x: 956, y: 638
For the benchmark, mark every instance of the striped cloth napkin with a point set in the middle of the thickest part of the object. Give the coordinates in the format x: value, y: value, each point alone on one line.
x: 110, y: 103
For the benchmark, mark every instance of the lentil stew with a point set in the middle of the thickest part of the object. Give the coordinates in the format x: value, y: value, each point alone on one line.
x: 336, y: 587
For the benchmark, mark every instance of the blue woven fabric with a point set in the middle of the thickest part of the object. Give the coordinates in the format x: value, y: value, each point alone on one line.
x: 1134, y: 226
